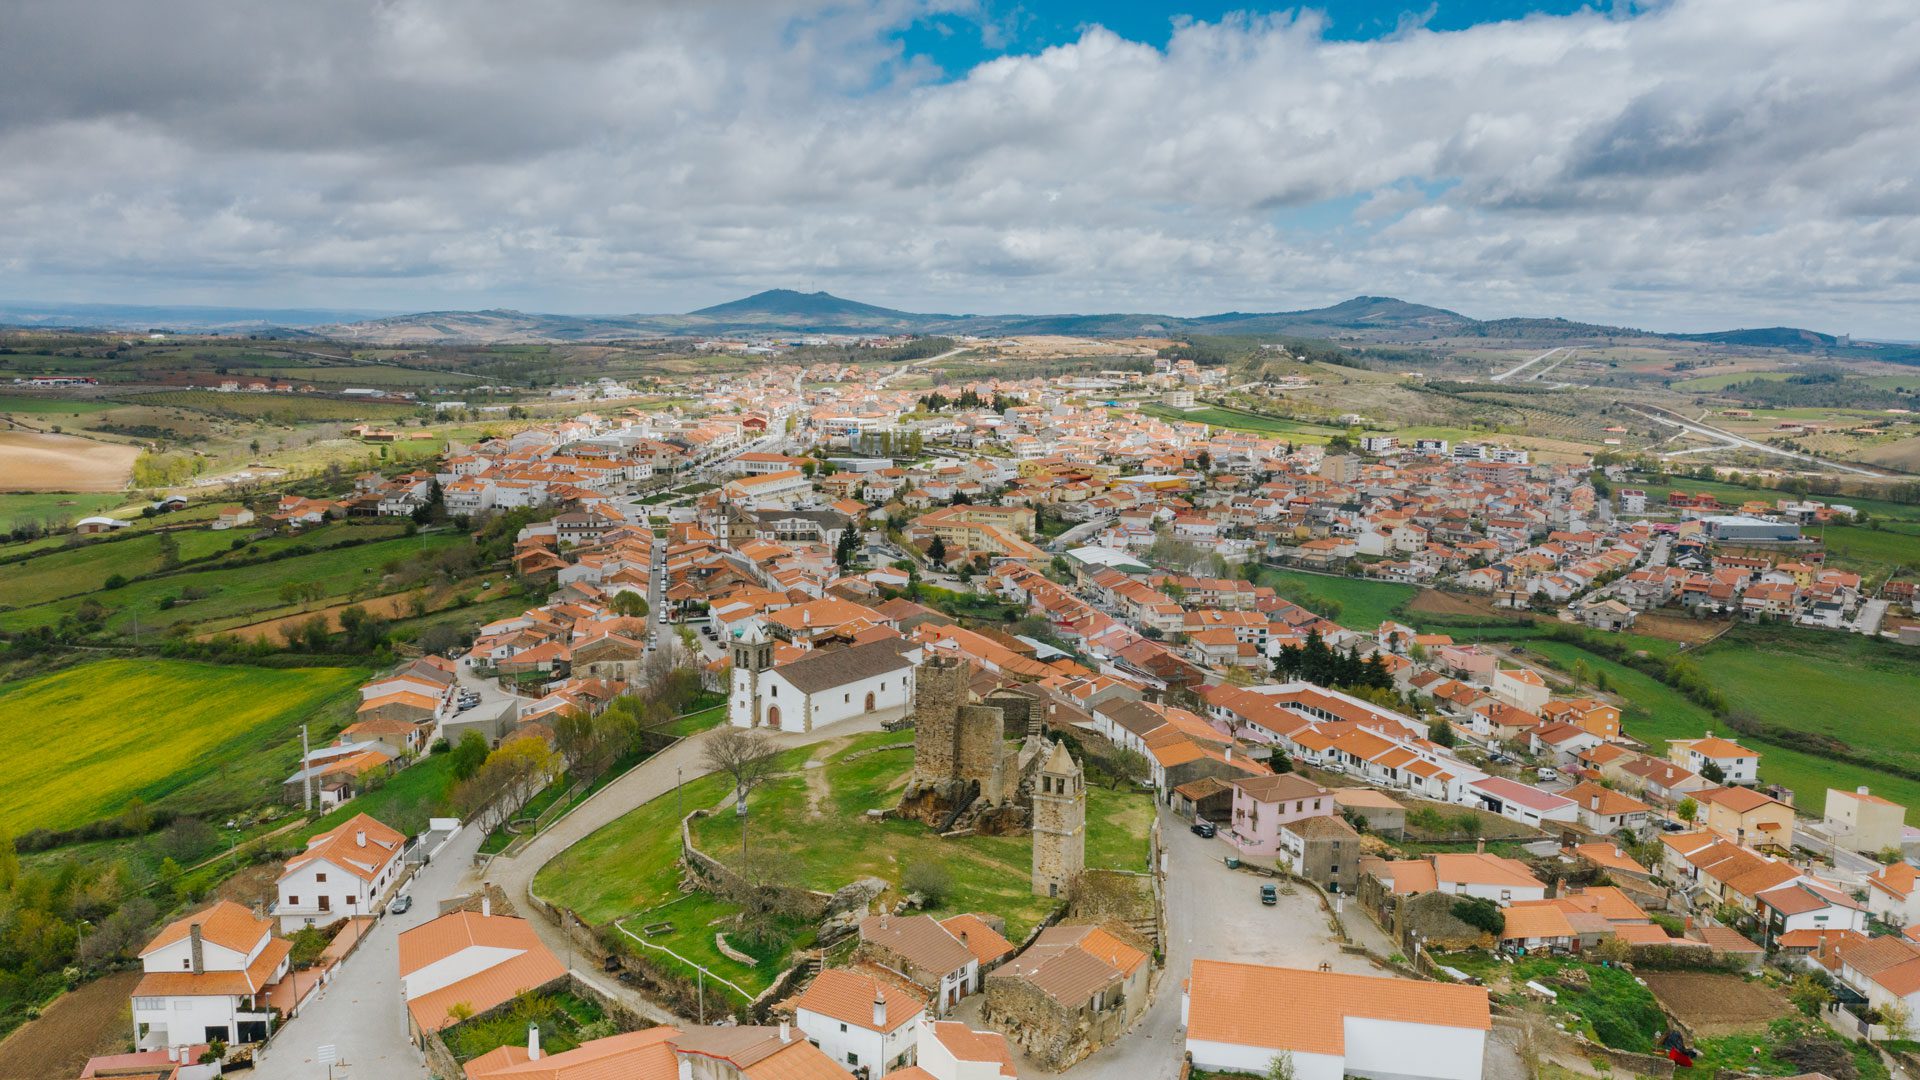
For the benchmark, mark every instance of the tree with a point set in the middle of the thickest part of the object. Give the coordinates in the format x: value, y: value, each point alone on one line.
x: 1441, y: 732
x: 1688, y: 809
x: 746, y: 756
x: 937, y: 552
x: 1713, y: 772
x: 1809, y: 994
x: 1897, y: 1018
x: 469, y: 754
x: 629, y: 603
x: 1281, y: 1067
x: 848, y: 548
x: 187, y: 839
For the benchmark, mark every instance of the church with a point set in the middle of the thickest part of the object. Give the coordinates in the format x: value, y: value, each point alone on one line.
x: 824, y: 687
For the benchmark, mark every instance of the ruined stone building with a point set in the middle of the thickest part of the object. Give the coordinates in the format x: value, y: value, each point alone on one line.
x: 1059, y: 823
x: 964, y: 775
x: 1075, y: 990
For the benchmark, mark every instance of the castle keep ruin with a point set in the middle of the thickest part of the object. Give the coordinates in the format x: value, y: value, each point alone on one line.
x: 963, y: 775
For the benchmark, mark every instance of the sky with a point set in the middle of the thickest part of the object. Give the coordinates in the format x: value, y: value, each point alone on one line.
x: 1671, y: 164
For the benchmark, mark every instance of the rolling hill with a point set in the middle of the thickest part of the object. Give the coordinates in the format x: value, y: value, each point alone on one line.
x: 788, y: 311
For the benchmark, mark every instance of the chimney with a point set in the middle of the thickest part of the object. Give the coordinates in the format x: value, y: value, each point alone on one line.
x: 199, y: 953
x: 786, y: 1032
x: 173, y: 1055
x: 533, y: 1042
x: 1595, y: 805
x: 486, y: 904
x: 1862, y: 790
x: 1480, y: 846
x: 879, y: 1009
x: 360, y: 838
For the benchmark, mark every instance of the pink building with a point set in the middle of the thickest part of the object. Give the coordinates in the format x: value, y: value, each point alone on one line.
x: 1261, y: 804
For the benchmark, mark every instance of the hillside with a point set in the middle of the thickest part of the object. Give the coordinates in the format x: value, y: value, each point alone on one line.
x: 1370, y: 318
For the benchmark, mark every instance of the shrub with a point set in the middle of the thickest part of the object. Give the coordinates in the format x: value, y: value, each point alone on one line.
x: 1481, y: 913
x: 931, y: 880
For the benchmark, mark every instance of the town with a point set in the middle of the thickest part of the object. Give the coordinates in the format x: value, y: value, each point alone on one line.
x: 1126, y: 778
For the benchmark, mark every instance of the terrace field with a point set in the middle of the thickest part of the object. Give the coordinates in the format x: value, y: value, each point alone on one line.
x: 283, y: 407
x: 252, y: 591
x: 1241, y: 420
x: 86, y: 740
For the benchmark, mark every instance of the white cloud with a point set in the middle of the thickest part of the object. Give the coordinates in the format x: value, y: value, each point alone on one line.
x: 1705, y: 163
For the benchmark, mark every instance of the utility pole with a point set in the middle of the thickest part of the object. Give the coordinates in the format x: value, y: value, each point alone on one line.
x: 306, y: 772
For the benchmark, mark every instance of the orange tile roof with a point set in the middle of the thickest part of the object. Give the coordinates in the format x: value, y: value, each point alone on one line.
x: 848, y: 996
x: 986, y: 943
x: 966, y: 1044
x: 226, y: 924
x: 341, y: 847
x: 254, y: 978
x: 635, y: 1055
x: 1241, y: 1004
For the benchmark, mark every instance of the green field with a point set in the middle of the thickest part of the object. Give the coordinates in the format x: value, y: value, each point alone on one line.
x: 1895, y: 545
x: 86, y: 740
x: 231, y: 592
x: 1657, y: 491
x: 821, y: 830
x: 1364, y: 604
x: 1750, y: 674
x: 1239, y: 420
x: 405, y: 801
x: 1712, y: 383
x: 285, y: 407
x: 68, y: 571
x: 39, y: 506
x: 52, y: 407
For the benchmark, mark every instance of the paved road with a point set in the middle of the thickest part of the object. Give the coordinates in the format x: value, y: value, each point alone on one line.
x: 645, y: 782
x: 1518, y: 368
x: 1663, y: 416
x: 1215, y: 913
x: 360, y: 1012
x: 882, y: 381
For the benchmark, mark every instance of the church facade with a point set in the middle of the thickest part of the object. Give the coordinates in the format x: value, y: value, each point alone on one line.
x: 828, y: 686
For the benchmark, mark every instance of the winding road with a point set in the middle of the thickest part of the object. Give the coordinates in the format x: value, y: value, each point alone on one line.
x: 1671, y: 419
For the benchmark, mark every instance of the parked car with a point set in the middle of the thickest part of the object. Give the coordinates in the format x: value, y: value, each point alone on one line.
x: 1548, y: 774
x: 1269, y: 895
x: 401, y: 905
x: 1204, y: 828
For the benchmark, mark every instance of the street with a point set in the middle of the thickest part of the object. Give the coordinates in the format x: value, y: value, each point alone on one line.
x: 360, y: 1012
x: 1215, y: 913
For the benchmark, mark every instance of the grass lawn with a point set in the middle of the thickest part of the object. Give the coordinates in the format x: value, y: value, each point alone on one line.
x: 1614, y: 1009
x: 285, y: 407
x: 1364, y: 604
x: 69, y: 571
x: 1843, y: 685
x: 86, y: 740
x: 816, y: 818
x: 242, y: 591
x: 408, y: 798
x: 1657, y: 713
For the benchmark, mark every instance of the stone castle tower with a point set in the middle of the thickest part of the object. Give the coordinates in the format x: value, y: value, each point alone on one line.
x: 752, y: 653
x: 956, y: 744
x: 1059, y: 824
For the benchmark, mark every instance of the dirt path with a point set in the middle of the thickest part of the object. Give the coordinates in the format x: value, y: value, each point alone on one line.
x: 815, y: 771
x: 42, y: 461
x: 95, y: 1019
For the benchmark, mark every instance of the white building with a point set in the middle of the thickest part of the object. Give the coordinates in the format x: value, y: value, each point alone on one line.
x: 859, y: 1021
x: 343, y: 873
x: 1893, y: 894
x: 1741, y: 765
x: 464, y: 963
x: 1239, y: 1017
x: 824, y: 687
x: 206, y: 978
x: 953, y: 1051
x: 1864, y: 821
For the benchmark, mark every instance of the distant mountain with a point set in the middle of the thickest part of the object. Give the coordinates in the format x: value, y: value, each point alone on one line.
x: 788, y: 311
x: 170, y: 316
x: 797, y: 310
x: 1776, y: 337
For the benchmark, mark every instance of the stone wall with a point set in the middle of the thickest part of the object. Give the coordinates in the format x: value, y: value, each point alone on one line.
x: 940, y: 688
x: 1054, y: 1035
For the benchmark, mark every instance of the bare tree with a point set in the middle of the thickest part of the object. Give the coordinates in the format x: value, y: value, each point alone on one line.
x: 743, y: 754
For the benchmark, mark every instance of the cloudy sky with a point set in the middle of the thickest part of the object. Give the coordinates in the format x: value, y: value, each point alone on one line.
x: 1690, y: 164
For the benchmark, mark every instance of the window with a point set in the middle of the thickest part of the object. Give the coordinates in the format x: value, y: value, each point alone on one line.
x: 852, y: 1058
x: 293, y: 901
x: 320, y: 878
x: 843, y: 1027
x: 187, y: 964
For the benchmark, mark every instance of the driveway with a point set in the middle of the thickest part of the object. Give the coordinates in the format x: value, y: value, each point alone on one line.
x: 1214, y: 913
x: 360, y: 1012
